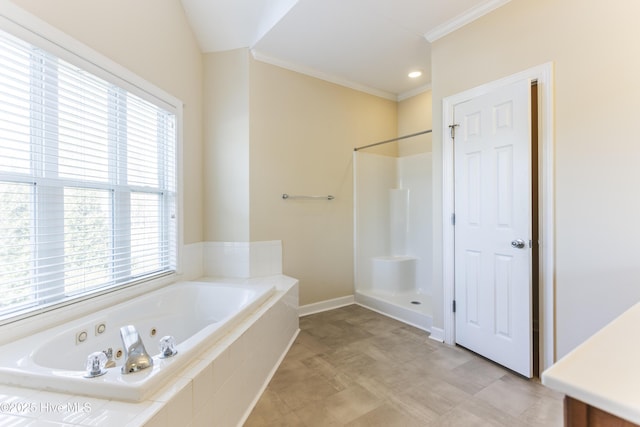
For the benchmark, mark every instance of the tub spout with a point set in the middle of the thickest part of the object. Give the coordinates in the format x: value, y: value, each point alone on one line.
x: 136, y: 357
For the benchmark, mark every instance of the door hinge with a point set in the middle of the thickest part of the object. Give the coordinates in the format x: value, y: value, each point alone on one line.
x: 452, y: 129
x: 454, y: 306
x: 453, y: 218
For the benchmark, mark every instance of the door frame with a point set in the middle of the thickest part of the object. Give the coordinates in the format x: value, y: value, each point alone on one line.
x: 543, y: 74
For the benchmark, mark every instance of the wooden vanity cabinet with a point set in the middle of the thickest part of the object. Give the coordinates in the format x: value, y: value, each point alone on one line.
x: 579, y: 414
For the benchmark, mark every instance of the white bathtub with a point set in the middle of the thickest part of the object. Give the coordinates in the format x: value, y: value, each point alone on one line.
x: 197, y: 314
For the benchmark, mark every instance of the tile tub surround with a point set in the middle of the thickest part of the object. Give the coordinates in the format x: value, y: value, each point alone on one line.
x: 242, y: 259
x: 219, y: 388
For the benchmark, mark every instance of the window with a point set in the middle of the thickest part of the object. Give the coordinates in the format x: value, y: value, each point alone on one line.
x: 87, y: 182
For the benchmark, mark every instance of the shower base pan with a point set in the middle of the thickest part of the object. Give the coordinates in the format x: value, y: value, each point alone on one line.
x: 409, y: 307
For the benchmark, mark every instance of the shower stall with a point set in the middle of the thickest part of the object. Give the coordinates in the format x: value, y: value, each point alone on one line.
x: 393, y: 235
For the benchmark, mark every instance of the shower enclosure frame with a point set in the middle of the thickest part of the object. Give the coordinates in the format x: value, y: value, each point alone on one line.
x: 410, y: 303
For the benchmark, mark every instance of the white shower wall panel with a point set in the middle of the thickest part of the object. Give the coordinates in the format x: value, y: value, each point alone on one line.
x: 375, y: 175
x: 414, y: 174
x: 399, y: 221
x: 386, y: 190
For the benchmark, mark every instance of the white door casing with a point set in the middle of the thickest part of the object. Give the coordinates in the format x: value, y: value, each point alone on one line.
x: 445, y: 332
x: 492, y: 164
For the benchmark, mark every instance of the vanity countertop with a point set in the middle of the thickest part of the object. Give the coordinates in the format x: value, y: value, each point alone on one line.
x: 604, y: 371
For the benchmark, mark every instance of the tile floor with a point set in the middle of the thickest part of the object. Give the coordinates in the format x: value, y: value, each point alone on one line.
x: 354, y: 367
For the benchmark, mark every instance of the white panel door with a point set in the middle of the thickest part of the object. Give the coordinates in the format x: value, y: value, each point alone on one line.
x: 493, y: 226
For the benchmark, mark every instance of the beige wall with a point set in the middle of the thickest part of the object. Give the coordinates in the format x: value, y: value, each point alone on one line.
x: 152, y: 39
x: 414, y: 115
x: 226, y: 146
x: 268, y: 131
x: 596, y: 69
x: 303, y: 131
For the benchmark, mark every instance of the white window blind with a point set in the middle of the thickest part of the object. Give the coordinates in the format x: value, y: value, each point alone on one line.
x: 87, y: 182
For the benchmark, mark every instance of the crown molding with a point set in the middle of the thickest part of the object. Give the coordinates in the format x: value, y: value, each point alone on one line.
x: 464, y: 19
x: 413, y: 92
x: 322, y: 76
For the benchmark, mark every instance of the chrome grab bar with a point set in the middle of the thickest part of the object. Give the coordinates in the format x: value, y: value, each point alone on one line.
x: 286, y: 196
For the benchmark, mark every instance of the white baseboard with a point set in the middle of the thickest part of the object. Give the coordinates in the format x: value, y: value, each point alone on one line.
x: 437, y: 334
x: 305, y: 310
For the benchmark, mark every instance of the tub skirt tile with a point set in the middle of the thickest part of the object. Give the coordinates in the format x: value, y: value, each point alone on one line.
x: 160, y: 419
x: 203, y: 389
x: 203, y: 417
x: 180, y: 408
x: 114, y: 413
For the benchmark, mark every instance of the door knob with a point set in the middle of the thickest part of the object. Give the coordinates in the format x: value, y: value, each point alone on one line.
x: 518, y: 244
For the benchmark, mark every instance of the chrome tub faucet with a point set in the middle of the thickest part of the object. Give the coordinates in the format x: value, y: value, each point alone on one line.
x: 136, y: 356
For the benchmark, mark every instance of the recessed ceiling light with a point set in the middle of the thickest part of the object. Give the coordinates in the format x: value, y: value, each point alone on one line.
x: 415, y: 74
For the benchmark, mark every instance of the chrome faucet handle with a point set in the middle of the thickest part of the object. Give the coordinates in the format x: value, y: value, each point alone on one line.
x: 110, y: 362
x: 167, y: 347
x: 95, y: 364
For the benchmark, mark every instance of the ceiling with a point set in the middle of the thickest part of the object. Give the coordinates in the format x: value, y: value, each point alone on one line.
x: 369, y: 45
